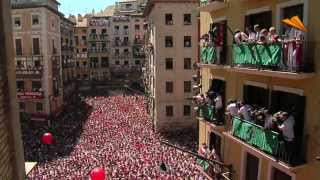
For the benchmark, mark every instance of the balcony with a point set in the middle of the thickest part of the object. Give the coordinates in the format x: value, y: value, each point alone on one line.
x: 29, y: 66
x: 265, y: 140
x: 212, y: 5
x: 25, y: 95
x: 119, y: 43
x: 121, y: 19
x: 260, y: 59
x: 98, y: 37
x: 98, y: 50
x: 82, y: 55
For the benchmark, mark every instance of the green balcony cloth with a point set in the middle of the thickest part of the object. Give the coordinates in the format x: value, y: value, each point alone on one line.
x: 257, y: 54
x: 265, y: 140
x: 203, y: 55
x: 207, y: 55
x: 207, y: 112
x: 204, y: 164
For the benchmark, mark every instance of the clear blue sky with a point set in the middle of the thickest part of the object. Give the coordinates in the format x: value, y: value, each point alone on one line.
x: 83, y: 6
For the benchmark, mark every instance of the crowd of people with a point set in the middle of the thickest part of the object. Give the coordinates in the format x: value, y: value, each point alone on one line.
x: 118, y: 137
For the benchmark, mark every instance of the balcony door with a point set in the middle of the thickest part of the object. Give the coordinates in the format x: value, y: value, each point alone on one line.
x: 252, y: 167
x: 295, y: 105
x: 215, y: 143
x: 279, y: 175
x: 256, y: 96
x: 264, y: 19
x: 219, y: 39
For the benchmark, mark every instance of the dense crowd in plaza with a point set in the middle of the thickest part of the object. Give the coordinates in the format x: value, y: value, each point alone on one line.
x: 118, y: 137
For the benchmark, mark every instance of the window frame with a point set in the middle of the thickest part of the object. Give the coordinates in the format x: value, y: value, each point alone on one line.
x: 168, y: 22
x: 188, y: 112
x: 13, y: 21
x: 187, y: 66
x: 185, y: 39
x: 39, y: 21
x: 189, y: 88
x: 186, y: 23
x: 167, y: 87
x: 168, y: 60
x: 166, y: 38
x: 169, y: 111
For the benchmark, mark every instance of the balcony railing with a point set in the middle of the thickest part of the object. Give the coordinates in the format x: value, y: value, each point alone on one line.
x: 98, y: 50
x: 29, y: 66
x: 265, y: 140
x: 212, y: 5
x: 98, y: 37
x: 273, y: 57
x: 121, y: 43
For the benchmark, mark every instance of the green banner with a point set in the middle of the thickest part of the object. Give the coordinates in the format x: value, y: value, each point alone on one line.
x: 265, y: 140
x: 257, y: 54
x: 207, y: 112
x: 204, y: 164
x: 207, y: 55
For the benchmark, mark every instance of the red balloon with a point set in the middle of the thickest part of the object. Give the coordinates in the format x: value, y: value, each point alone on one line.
x: 47, y: 138
x: 97, y: 174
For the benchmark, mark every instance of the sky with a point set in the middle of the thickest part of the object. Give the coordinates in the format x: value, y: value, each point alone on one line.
x: 83, y: 6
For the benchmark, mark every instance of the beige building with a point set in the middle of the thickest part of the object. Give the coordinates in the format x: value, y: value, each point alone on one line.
x: 99, y: 48
x: 68, y: 59
x: 81, y: 43
x: 172, y: 45
x: 11, y: 149
x: 36, y: 35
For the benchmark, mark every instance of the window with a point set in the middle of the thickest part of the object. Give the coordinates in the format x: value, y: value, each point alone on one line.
x: 187, y: 41
x: 36, y: 86
x: 187, y: 86
x: 169, y: 87
x: 20, y: 85
x: 126, y: 62
x: 39, y: 107
x: 169, y: 111
x: 84, y: 38
x: 77, y: 64
x: 137, y: 27
x: 169, y: 19
x: 17, y: 22
x: 35, y: 19
x: 186, y: 110
x: 18, y: 47
x: 117, y: 52
x: 93, y: 31
x: 84, y: 31
x: 117, y: 62
x: 36, y: 46
x: 187, y: 19
x: 169, y: 63
x: 169, y: 41
x: 84, y: 49
x: 137, y: 62
x: 22, y: 106
x: 187, y: 63
x: 84, y: 64
x: 104, y: 62
x: 103, y: 31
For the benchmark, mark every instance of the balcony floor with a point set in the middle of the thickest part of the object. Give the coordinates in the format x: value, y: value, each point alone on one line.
x: 262, y: 154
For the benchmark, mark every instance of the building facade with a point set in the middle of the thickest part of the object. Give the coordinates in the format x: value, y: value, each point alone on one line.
x: 81, y: 42
x: 68, y: 59
x: 253, y: 151
x: 11, y: 149
x: 171, y: 45
x: 36, y: 34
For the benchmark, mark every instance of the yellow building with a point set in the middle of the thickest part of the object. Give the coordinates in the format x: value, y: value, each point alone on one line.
x: 37, y: 36
x: 278, y: 86
x: 11, y: 149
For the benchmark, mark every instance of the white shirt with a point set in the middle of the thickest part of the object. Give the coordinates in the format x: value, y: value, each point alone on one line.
x: 244, y: 111
x: 218, y: 102
x: 240, y: 37
x: 252, y: 36
x: 288, y: 129
x: 232, y: 108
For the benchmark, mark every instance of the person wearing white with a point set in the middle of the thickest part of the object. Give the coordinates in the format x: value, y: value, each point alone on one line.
x: 244, y: 111
x: 287, y: 128
x: 218, y: 102
x: 240, y: 37
x: 233, y: 109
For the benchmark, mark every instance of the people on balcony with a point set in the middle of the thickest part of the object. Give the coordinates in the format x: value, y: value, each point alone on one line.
x: 240, y: 37
x: 244, y: 111
x: 257, y: 32
x: 218, y: 108
x: 232, y: 108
